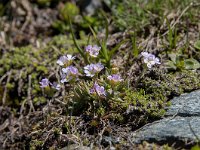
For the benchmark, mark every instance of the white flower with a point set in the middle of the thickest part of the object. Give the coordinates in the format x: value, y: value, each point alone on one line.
x: 65, y: 59
x: 92, y: 69
x: 89, y: 70
x: 70, y: 57
x: 150, y: 59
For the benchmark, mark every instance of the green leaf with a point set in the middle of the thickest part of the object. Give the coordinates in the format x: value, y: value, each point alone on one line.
x: 191, y: 64
x: 106, y: 24
x: 197, y: 44
x: 117, y: 47
x: 170, y: 65
x: 134, y: 45
x: 173, y: 57
x: 76, y: 44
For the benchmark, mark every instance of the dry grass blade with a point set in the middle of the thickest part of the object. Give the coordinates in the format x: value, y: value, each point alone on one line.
x: 6, y: 89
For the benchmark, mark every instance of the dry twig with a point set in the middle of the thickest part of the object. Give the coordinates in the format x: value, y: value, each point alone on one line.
x: 29, y: 95
x: 6, y: 89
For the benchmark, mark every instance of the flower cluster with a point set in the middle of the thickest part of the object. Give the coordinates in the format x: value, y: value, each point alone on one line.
x: 97, y: 89
x: 70, y: 73
x: 45, y: 83
x: 92, y: 69
x: 93, y: 50
x: 101, y: 91
x: 150, y: 59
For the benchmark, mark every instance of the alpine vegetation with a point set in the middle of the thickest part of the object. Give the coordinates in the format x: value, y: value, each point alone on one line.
x: 95, y: 80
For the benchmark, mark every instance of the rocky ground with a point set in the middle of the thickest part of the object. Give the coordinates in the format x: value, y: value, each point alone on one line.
x: 179, y: 126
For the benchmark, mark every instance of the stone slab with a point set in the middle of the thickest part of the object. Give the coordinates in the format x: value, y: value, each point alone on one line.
x: 180, y: 125
x: 177, y: 129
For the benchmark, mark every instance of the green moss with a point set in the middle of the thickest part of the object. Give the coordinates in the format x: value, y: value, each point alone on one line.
x: 157, y: 89
x: 145, y: 103
x: 44, y: 2
x: 36, y: 144
x: 37, y: 101
x: 57, y: 131
x: 10, y: 86
x: 69, y: 11
x: 117, y: 116
x: 37, y: 62
x: 165, y: 86
x: 145, y: 145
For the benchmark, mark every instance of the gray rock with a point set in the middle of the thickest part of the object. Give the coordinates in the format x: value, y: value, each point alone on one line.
x: 185, y: 105
x: 181, y: 125
x: 179, y: 129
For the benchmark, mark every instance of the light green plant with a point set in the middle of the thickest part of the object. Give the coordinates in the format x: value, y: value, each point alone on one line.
x: 178, y: 62
x: 134, y: 45
x: 172, y: 37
